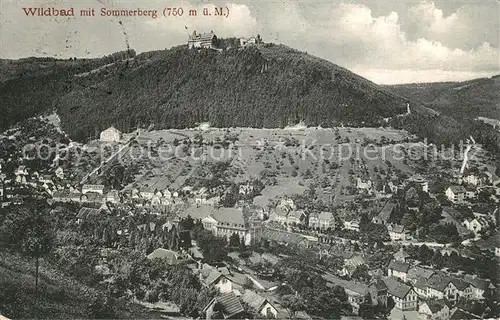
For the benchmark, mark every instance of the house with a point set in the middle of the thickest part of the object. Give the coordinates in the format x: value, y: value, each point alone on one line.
x: 95, y: 188
x: 259, y: 305
x: 401, y: 255
x: 455, y: 194
x: 419, y: 181
x: 396, y: 232
x: 224, y: 306
x: 398, y: 269
x: 210, y: 276
x: 379, y: 291
x: 357, y: 292
x: 110, y: 135
x: 244, y: 42
x: 279, y: 215
x: 476, y: 225
x: 113, y: 196
x: 206, y: 40
x: 352, y: 225
x: 21, y: 171
x: 147, y: 192
x: 366, y: 186
x: 434, y: 310
x: 169, y: 256
x: 322, y: 220
x: 440, y: 286
x: 227, y: 221
x: 59, y: 173
x: 416, y: 272
x: 295, y: 217
x: 385, y: 214
x: 405, y: 298
x: 246, y: 189
x: 479, y: 286
x: 351, y: 262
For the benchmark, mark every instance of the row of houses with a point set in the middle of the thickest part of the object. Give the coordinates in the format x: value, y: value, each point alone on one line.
x: 428, y: 283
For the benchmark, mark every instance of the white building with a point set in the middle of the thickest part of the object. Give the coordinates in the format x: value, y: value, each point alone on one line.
x: 405, y: 298
x: 396, y: 232
x: 202, y: 40
x: 420, y: 181
x: 456, y: 194
x: 110, y: 135
x: 96, y: 188
x: 226, y: 222
x: 398, y: 269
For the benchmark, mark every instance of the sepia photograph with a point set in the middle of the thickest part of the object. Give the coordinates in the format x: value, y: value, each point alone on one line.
x: 250, y: 159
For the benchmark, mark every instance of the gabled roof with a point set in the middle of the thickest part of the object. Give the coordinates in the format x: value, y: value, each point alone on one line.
x: 385, y: 213
x: 253, y: 300
x: 88, y: 213
x: 160, y: 253
x: 296, y: 214
x: 435, y: 306
x: 399, y: 266
x: 439, y: 282
x: 479, y: 283
x: 325, y: 216
x: 282, y: 236
x: 229, y: 304
x: 419, y: 272
x: 210, y: 275
x: 201, y: 36
x: 457, y: 189
x: 396, y: 288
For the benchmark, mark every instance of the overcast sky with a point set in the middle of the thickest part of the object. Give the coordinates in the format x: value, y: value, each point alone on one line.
x: 386, y: 41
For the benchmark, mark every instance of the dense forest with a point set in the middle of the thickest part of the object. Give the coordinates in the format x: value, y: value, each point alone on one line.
x: 264, y: 86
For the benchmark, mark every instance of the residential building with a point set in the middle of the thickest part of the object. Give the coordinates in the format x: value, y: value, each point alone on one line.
x: 455, y: 194
x: 296, y: 217
x: 210, y: 276
x: 385, y: 214
x: 95, y: 188
x: 259, y: 305
x: 401, y: 255
x: 224, y: 306
x: 59, y: 173
x: 352, y: 225
x: 398, y: 269
x: 416, y: 272
x: 365, y: 185
x: 322, y: 220
x: 434, y: 310
x: 419, y: 181
x: 246, y: 42
x: 479, y: 286
x: 246, y: 189
x: 396, y: 232
x: 476, y: 225
x: 110, y: 135
x: 405, y: 298
x: 206, y: 40
x: 440, y: 286
x: 279, y: 215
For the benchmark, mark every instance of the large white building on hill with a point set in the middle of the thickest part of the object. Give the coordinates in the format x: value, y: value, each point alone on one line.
x: 111, y: 135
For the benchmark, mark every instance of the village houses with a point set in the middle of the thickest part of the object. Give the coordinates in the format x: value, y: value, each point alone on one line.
x: 456, y: 194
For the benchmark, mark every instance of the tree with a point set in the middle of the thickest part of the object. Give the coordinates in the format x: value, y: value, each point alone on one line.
x: 293, y: 303
x: 28, y: 230
x: 234, y: 241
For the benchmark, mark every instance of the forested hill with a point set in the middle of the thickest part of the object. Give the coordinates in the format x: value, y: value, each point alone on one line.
x: 469, y: 99
x: 268, y: 86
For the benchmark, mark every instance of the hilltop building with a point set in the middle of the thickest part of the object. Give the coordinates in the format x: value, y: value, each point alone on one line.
x: 202, y: 40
